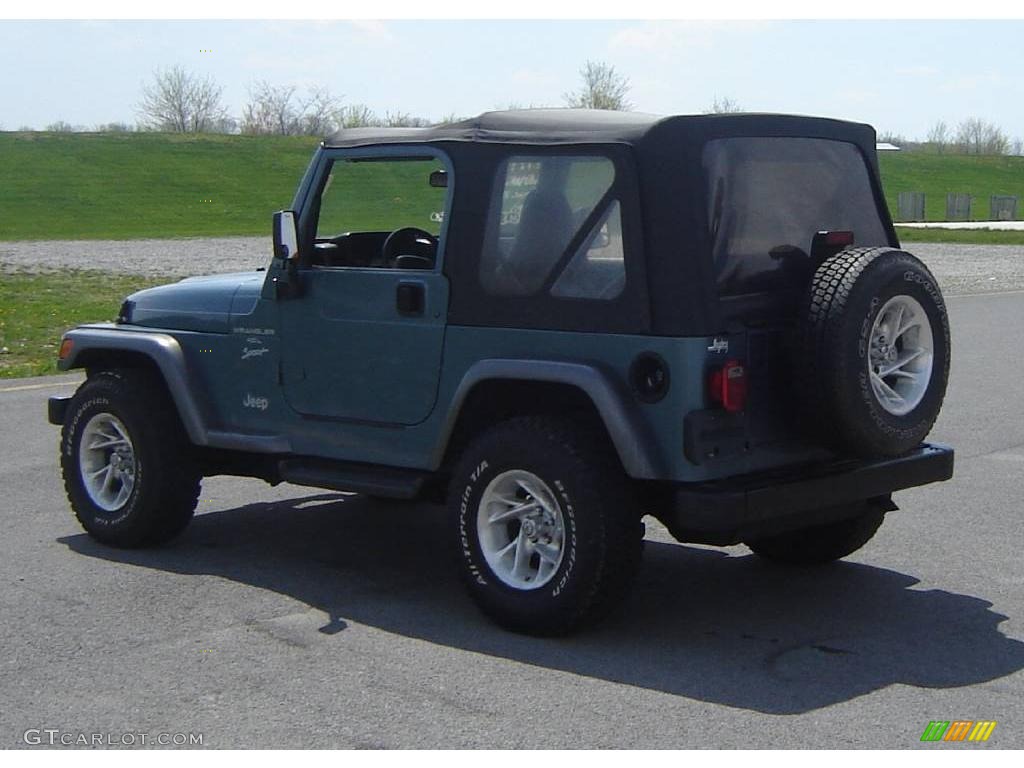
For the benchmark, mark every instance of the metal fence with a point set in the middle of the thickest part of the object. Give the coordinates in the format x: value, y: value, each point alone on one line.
x: 1002, y: 208
x: 958, y: 207
x: 910, y: 206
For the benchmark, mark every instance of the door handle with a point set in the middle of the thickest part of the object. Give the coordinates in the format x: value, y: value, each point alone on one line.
x: 409, y: 299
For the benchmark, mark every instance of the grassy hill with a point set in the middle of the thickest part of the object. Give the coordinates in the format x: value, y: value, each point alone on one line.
x: 936, y: 175
x: 75, y: 186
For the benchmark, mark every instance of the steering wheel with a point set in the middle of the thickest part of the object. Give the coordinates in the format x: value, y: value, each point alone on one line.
x: 410, y: 241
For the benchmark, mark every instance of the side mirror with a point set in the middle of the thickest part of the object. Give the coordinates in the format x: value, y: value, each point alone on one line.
x: 439, y: 179
x: 286, y: 237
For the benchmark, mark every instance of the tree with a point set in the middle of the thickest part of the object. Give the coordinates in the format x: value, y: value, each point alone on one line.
x: 358, y: 116
x: 939, y: 136
x: 114, y: 128
x: 224, y: 124
x: 891, y: 137
x: 723, y: 106
x: 278, y: 109
x: 450, y: 119
x: 1017, y: 147
x: 61, y: 126
x: 320, y: 113
x: 603, y: 88
x: 270, y: 110
x: 977, y: 137
x: 182, y: 102
x: 404, y: 120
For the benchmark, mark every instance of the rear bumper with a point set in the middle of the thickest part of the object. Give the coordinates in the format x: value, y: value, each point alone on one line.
x: 732, y: 510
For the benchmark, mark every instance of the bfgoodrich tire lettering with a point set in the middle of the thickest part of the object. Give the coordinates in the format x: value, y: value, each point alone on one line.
x: 601, y: 530
x: 165, y: 482
x: 840, y: 342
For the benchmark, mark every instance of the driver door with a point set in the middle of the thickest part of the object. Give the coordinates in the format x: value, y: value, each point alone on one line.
x: 363, y: 341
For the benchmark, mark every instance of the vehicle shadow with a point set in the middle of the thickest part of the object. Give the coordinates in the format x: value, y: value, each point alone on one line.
x: 701, y: 624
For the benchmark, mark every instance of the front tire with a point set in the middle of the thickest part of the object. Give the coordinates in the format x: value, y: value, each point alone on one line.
x: 548, y: 537
x: 126, y: 461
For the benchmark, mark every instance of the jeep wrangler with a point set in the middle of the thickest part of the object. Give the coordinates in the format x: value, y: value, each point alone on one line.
x: 557, y: 321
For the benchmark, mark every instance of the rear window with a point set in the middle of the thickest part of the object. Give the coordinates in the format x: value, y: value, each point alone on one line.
x: 769, y: 196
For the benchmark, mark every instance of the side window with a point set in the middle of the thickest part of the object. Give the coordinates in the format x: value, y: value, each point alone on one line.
x: 597, y: 269
x: 538, y: 206
x: 374, y: 212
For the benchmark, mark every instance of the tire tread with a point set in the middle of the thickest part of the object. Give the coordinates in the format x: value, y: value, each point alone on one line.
x: 176, y: 478
x: 824, y: 359
x: 620, y: 537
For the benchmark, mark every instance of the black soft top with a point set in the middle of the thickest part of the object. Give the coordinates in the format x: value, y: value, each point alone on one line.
x: 588, y: 126
x: 673, y: 253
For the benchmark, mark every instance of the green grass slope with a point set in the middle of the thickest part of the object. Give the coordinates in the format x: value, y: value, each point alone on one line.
x: 134, y: 185
x: 937, y: 175
x: 76, y: 186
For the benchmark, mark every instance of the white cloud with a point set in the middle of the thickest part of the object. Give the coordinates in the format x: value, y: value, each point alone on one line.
x: 917, y: 70
x: 373, y: 29
x: 973, y: 82
x: 857, y: 96
x: 532, y: 78
x: 664, y: 37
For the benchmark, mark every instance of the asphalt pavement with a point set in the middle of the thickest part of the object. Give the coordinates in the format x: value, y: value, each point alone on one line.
x: 289, y: 617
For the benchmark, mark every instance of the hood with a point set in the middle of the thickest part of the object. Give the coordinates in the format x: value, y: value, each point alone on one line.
x: 196, y: 303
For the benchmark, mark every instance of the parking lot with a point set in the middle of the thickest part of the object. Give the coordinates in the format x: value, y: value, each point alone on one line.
x: 289, y: 617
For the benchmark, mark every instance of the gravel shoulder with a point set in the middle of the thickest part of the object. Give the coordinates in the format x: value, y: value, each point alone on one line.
x: 960, y: 269
x: 183, y: 257
x: 965, y: 269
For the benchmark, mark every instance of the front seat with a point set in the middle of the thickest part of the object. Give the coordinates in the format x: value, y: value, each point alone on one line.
x: 545, y: 229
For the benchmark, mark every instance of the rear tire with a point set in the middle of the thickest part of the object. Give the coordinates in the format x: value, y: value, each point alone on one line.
x: 547, y: 534
x: 127, y: 463
x: 873, y: 358
x: 820, y: 544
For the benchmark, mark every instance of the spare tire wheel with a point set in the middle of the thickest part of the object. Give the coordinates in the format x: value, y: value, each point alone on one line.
x: 873, y: 356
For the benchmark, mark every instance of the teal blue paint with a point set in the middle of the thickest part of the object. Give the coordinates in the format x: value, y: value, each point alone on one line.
x: 348, y: 353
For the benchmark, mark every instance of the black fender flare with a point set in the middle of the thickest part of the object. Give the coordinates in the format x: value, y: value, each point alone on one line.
x: 628, y: 432
x: 164, y: 351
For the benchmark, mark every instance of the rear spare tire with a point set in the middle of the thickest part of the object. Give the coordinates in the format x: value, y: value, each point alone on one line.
x: 873, y: 357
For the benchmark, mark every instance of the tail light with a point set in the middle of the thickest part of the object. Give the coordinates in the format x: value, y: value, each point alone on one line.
x: 828, y: 243
x: 838, y: 238
x: 727, y: 386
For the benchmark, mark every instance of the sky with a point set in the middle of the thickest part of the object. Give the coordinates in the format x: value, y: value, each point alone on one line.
x: 900, y: 76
